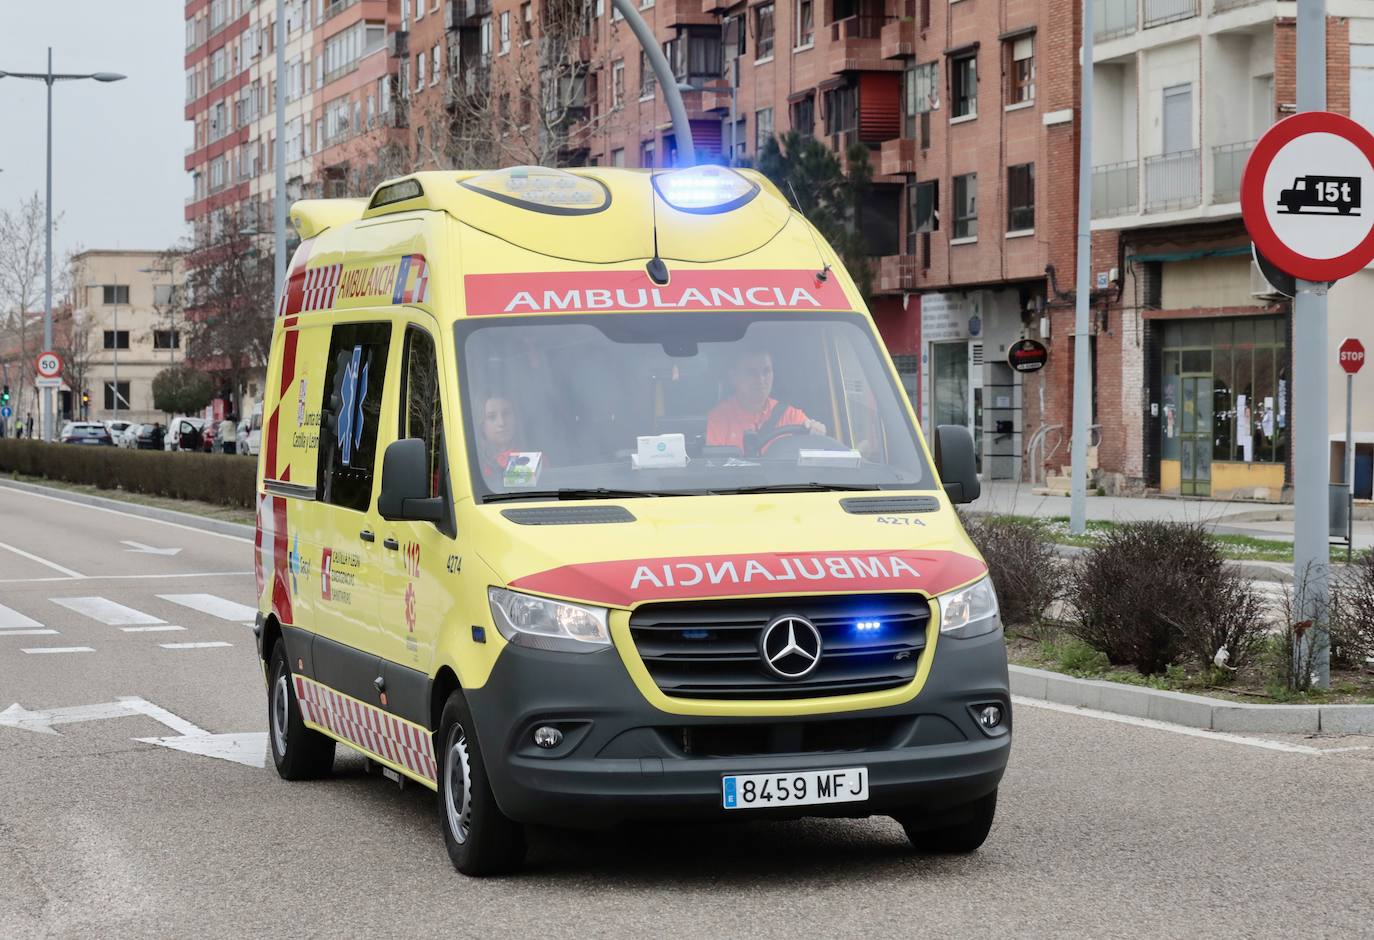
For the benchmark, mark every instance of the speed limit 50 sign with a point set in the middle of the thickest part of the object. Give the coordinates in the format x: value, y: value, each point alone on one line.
x: 1307, y: 196
x: 48, y: 364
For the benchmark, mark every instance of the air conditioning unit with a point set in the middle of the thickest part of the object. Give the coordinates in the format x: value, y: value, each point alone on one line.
x: 1260, y: 286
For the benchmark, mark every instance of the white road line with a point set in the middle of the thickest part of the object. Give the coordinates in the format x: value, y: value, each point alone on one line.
x: 10, y: 619
x: 165, y: 628
x: 133, y: 577
x: 42, y: 561
x: 214, y: 606
x: 83, y: 507
x: 28, y: 632
x: 105, y: 610
x: 194, y: 646
x: 60, y: 649
x: 1181, y: 729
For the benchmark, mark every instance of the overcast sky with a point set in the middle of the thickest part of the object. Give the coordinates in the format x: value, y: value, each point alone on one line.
x: 118, y: 148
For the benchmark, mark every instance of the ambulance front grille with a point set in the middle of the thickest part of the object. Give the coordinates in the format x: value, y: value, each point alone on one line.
x: 711, y: 649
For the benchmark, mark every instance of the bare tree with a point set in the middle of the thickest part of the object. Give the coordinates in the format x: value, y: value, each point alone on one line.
x: 21, y: 285
x: 73, y: 325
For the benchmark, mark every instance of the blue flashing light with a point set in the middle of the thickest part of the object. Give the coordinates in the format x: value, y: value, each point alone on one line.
x: 868, y: 626
x: 695, y: 634
x: 704, y: 189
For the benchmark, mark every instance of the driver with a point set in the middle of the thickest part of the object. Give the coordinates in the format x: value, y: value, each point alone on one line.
x: 751, y: 408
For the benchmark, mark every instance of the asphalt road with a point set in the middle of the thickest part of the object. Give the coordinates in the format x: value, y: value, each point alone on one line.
x: 1104, y: 828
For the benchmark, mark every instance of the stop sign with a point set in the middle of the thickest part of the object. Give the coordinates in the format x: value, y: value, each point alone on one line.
x: 1351, y: 355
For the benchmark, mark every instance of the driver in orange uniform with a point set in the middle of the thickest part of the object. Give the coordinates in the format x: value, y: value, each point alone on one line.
x: 751, y: 407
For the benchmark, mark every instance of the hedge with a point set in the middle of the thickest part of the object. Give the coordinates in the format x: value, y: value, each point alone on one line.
x: 221, y: 479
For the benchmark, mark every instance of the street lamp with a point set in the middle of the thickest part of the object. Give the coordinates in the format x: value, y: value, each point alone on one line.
x: 50, y: 78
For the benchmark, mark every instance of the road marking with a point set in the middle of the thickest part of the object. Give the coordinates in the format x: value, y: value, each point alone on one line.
x: 60, y: 649
x: 10, y: 619
x: 132, y: 577
x: 164, y: 628
x: 105, y: 610
x: 131, y: 515
x: 214, y: 606
x: 1182, y: 729
x: 142, y: 549
x: 194, y: 646
x: 42, y: 561
x: 28, y: 632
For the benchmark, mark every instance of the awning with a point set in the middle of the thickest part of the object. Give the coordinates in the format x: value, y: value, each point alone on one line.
x: 1193, y: 255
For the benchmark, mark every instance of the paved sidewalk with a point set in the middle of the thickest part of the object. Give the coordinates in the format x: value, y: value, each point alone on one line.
x: 1228, y: 517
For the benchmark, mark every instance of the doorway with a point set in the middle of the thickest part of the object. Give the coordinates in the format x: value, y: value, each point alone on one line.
x: 1195, y: 434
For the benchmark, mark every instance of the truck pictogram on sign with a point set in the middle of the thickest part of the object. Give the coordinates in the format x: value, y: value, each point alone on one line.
x: 1316, y: 194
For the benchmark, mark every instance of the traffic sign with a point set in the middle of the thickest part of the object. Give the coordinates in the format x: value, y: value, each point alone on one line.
x: 49, y: 365
x: 1351, y: 355
x: 1026, y: 355
x: 6, y: 412
x: 1302, y: 196
x: 48, y: 381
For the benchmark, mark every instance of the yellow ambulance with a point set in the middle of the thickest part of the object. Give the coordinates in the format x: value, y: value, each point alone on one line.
x: 593, y: 496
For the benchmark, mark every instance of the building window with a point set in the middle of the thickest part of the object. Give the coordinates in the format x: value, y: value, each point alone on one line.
x: 804, y: 115
x: 115, y: 293
x: 123, y: 390
x: 526, y: 21
x: 763, y: 32
x: 763, y: 128
x: 434, y: 56
x: 1021, y: 198
x: 963, y: 85
x: 163, y: 294
x: 646, y: 154
x: 505, y: 32
x: 923, y: 214
x: 647, y: 82
x: 166, y: 339
x: 617, y: 84
x: 1021, y: 70
x: 733, y: 39
x: 695, y: 55
x: 920, y: 96
x: 966, y: 206
x: 618, y: 156
x: 116, y: 339
x: 841, y: 109
x: 419, y: 71
x: 806, y: 23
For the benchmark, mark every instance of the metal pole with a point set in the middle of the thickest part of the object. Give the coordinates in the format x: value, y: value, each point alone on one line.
x: 46, y: 409
x: 1082, y: 362
x: 279, y: 157
x: 1311, y: 460
x: 682, y: 127
x: 1349, y: 465
x: 115, y: 395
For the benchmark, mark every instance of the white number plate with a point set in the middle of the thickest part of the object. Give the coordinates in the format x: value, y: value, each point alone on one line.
x: 795, y: 788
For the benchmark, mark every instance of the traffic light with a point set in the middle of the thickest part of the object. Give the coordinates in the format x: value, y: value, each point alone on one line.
x: 85, y: 397
x: 5, y: 395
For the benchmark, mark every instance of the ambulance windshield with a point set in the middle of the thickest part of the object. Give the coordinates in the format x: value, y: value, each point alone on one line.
x: 682, y: 403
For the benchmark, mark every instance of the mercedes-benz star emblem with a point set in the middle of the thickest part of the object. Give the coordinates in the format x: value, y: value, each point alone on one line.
x: 790, y: 647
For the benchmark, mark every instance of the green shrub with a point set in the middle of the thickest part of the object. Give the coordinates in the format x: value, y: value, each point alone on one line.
x: 1150, y: 594
x: 212, y: 478
x: 1021, y: 559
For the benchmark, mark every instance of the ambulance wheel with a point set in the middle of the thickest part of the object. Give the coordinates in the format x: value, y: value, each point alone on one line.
x: 298, y: 752
x: 937, y: 835
x: 480, y: 839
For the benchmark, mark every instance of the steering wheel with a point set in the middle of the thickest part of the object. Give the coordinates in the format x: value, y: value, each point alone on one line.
x: 778, y: 433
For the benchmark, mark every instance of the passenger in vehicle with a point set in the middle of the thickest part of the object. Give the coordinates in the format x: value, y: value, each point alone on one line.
x: 500, y: 436
x: 751, y: 409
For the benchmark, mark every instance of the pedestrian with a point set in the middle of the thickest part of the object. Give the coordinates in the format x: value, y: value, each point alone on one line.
x: 228, y: 434
x: 28, y: 424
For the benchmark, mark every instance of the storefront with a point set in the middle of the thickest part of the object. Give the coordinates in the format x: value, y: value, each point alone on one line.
x: 1220, y: 405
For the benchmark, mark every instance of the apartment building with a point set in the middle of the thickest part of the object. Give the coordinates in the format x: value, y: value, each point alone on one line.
x: 1193, y: 345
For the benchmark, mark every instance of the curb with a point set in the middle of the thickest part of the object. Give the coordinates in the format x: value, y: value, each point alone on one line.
x: 1275, y: 571
x: 1193, y: 711
x: 190, y: 520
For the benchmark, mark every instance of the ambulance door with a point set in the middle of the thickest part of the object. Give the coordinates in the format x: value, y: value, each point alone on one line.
x: 358, y: 399
x: 421, y: 571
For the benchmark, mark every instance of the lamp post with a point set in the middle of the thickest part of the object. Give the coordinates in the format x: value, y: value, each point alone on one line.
x: 50, y: 78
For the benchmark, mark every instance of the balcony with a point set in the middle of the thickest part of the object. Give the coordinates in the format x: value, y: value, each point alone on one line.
x: 897, y: 157
x: 1228, y: 163
x: 1173, y: 181
x: 1116, y: 189
x: 899, y: 39
x: 1114, y: 18
x: 895, y: 273
x: 856, y: 45
x: 1163, y: 12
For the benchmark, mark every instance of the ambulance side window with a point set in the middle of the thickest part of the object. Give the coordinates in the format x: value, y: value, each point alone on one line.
x: 353, y: 380
x: 421, y: 414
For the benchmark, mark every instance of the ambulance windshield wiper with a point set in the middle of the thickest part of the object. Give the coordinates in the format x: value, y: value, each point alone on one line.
x: 595, y: 492
x: 800, y: 488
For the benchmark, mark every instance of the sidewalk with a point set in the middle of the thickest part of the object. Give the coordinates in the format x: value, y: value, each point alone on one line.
x: 1226, y: 517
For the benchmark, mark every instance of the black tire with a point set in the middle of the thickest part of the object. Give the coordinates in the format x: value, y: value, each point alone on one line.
x: 481, y: 840
x: 299, y: 753
x: 953, y: 832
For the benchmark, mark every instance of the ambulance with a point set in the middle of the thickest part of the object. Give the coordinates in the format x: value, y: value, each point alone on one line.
x: 590, y: 497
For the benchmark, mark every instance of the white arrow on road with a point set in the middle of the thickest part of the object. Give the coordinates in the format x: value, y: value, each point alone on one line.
x: 140, y: 548
x: 248, y: 748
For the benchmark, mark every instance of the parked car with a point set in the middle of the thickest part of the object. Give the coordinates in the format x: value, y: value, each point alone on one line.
x: 194, y: 428
x: 250, y: 432
x: 116, y: 428
x: 128, y: 438
x: 86, y: 432
x: 150, y: 437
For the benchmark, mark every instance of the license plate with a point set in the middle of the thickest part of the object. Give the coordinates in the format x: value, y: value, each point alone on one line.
x: 795, y: 788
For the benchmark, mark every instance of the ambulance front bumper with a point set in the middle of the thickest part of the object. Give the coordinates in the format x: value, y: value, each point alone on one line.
x: 621, y: 759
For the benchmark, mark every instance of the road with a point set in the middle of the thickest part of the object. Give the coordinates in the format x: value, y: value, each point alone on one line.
x: 1105, y: 828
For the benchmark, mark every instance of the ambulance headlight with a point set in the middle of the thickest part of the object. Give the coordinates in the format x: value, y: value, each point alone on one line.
x: 704, y: 189
x: 545, y: 624
x: 970, y: 611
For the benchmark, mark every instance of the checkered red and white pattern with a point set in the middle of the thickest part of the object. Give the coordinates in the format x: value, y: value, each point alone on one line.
x: 416, y: 291
x: 321, y: 287
x: 369, y: 728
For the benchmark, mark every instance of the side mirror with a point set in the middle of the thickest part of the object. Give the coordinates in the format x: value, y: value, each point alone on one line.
x: 955, y: 460
x: 406, y: 484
